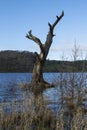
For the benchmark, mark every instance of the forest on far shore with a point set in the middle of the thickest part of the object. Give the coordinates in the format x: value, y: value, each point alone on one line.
x: 23, y: 61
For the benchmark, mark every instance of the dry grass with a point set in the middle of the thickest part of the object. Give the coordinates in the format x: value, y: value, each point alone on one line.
x: 35, y: 115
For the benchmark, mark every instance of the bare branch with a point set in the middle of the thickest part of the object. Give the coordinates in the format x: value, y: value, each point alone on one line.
x: 50, y: 34
x: 35, y: 39
x: 44, y: 48
x: 57, y: 20
x: 32, y: 37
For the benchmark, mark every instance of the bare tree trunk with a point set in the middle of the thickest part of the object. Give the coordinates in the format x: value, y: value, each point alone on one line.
x: 37, y: 74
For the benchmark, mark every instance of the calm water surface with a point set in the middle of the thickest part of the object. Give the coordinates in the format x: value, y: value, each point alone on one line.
x: 9, y: 82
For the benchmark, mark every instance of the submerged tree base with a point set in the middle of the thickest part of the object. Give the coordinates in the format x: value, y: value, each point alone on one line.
x: 36, y: 88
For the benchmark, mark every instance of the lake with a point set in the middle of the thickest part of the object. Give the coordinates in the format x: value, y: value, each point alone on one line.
x: 9, y: 82
x: 9, y: 90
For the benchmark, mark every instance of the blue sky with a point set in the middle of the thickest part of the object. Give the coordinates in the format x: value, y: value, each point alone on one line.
x: 17, y: 17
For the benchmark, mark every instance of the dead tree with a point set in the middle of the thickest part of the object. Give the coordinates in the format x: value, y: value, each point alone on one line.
x: 37, y: 74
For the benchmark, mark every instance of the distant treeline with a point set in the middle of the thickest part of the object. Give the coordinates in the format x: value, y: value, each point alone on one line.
x: 23, y: 61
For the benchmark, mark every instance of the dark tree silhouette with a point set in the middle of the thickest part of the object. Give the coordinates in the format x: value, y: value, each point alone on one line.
x: 37, y: 74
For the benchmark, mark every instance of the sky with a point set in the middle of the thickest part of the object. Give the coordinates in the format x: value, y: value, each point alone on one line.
x: 17, y: 17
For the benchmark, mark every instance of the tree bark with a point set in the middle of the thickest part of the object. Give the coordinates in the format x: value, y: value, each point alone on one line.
x: 37, y: 74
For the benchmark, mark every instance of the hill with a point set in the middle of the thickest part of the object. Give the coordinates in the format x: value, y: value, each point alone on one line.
x: 23, y: 61
x: 16, y: 61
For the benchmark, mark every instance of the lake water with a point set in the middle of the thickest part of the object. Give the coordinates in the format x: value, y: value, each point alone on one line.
x: 9, y: 82
x: 9, y: 85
